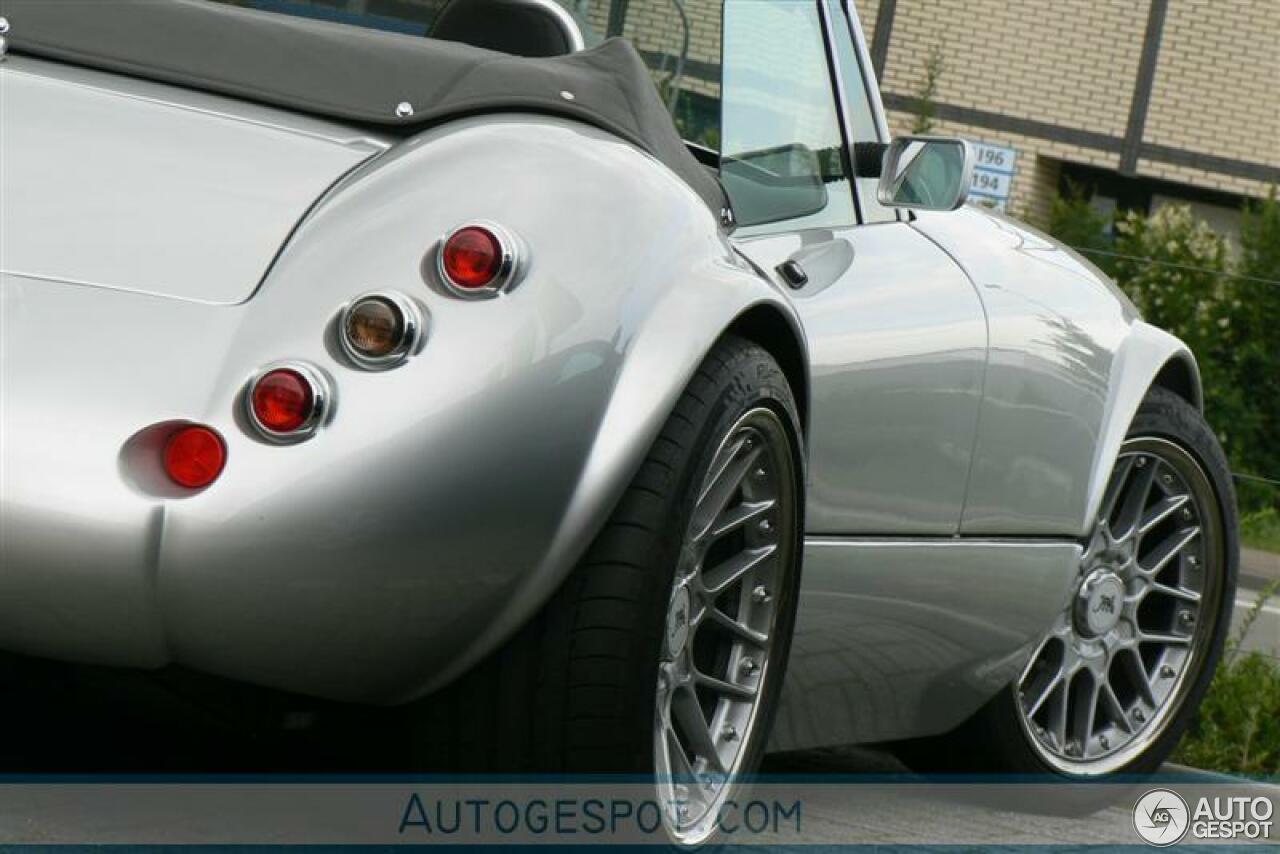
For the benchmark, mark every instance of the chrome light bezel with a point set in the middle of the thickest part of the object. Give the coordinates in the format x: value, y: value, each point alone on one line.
x: 321, y: 402
x: 508, y: 267
x: 413, y: 321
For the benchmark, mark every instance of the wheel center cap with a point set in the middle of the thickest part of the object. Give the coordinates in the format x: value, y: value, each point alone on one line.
x: 678, y: 614
x: 1099, y: 603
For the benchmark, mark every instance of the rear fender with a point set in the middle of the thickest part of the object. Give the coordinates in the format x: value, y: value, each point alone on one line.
x: 451, y: 496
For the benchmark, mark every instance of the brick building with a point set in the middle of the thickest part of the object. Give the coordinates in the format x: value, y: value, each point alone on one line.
x: 1141, y: 101
x: 1138, y: 102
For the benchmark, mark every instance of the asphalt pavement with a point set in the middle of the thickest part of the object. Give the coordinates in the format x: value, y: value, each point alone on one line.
x: 1257, y: 571
x: 64, y: 719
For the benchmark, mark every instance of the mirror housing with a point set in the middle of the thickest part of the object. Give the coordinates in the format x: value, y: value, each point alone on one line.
x: 928, y: 173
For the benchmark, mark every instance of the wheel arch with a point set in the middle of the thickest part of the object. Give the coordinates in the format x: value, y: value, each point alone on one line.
x: 765, y: 324
x: 1181, y: 376
x: 1147, y: 357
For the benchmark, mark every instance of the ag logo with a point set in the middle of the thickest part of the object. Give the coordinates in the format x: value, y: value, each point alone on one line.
x: 1161, y: 817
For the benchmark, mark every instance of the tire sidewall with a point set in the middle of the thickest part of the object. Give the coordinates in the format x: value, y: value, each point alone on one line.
x: 751, y: 379
x: 1162, y: 415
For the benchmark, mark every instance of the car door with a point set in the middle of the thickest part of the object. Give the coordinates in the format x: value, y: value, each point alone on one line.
x: 897, y: 335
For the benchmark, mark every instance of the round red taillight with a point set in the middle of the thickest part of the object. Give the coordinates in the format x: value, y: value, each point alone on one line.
x: 194, y: 456
x: 474, y: 258
x: 283, y: 401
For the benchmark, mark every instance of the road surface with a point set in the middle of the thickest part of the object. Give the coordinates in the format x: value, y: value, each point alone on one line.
x: 61, y: 719
x: 1257, y: 571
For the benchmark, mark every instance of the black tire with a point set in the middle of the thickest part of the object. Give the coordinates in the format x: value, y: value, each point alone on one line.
x: 574, y: 690
x: 994, y: 740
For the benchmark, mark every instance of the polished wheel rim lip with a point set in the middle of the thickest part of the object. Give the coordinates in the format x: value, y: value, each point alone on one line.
x: 713, y: 671
x: 1098, y: 691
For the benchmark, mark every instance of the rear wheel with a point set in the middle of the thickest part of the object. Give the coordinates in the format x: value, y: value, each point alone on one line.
x: 1115, y: 682
x: 663, y: 652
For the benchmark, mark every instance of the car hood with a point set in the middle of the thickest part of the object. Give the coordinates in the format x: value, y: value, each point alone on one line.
x: 117, y: 183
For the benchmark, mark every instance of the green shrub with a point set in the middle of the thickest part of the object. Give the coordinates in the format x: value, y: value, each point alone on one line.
x: 1174, y: 268
x: 1073, y: 220
x: 927, y: 93
x: 1237, y: 730
x: 1261, y: 529
x: 1257, y: 340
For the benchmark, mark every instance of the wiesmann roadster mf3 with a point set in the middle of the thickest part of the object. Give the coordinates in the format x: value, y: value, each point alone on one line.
x: 447, y: 372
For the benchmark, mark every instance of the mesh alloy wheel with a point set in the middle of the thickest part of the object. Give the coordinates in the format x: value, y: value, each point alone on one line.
x: 721, y: 622
x: 1110, y: 675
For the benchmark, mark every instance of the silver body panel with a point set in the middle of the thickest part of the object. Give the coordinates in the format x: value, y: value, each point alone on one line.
x: 360, y: 564
x: 968, y: 386
x: 137, y: 190
x: 897, y: 346
x: 906, y: 637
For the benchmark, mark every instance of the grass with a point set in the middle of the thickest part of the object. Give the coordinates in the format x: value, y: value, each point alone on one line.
x: 1237, y: 730
x: 1261, y: 530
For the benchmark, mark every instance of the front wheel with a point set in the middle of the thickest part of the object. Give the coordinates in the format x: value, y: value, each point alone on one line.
x: 1117, y: 679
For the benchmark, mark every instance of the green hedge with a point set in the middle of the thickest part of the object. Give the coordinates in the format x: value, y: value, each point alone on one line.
x: 1224, y: 303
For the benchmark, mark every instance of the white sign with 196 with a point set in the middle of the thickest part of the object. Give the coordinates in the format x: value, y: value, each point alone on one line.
x: 992, y: 174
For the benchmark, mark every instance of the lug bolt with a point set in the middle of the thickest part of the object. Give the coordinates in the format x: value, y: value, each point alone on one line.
x: 749, y: 667
x: 1187, y: 619
x: 760, y: 473
x: 1166, y: 671
x: 765, y: 526
x: 760, y: 595
x: 1168, y: 479
x: 729, y: 733
x: 1139, y: 715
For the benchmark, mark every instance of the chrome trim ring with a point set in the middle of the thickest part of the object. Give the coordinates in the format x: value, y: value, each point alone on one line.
x: 1110, y: 676
x: 321, y: 403
x: 411, y: 338
x: 568, y: 24
x: 721, y: 623
x: 509, y: 266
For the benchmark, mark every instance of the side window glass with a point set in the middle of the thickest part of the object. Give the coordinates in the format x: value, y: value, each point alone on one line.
x: 857, y: 107
x: 783, y: 161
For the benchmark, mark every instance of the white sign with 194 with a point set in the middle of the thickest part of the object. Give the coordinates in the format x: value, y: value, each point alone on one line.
x: 992, y: 174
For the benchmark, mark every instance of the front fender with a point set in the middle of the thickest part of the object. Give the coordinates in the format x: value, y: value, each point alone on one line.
x: 1138, y: 363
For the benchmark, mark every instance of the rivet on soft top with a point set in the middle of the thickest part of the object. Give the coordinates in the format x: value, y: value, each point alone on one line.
x: 567, y: 95
x: 404, y: 109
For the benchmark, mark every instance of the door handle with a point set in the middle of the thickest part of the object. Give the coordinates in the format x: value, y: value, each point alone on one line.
x: 793, y: 274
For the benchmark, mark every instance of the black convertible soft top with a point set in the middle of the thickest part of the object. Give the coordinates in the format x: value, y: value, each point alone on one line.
x: 351, y: 73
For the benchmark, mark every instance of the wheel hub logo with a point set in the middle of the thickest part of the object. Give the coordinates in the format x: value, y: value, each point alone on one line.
x: 1161, y: 817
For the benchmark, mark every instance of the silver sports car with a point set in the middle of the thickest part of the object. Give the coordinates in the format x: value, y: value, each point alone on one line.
x: 451, y: 373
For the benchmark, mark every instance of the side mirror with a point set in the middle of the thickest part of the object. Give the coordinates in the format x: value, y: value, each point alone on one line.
x: 928, y: 173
